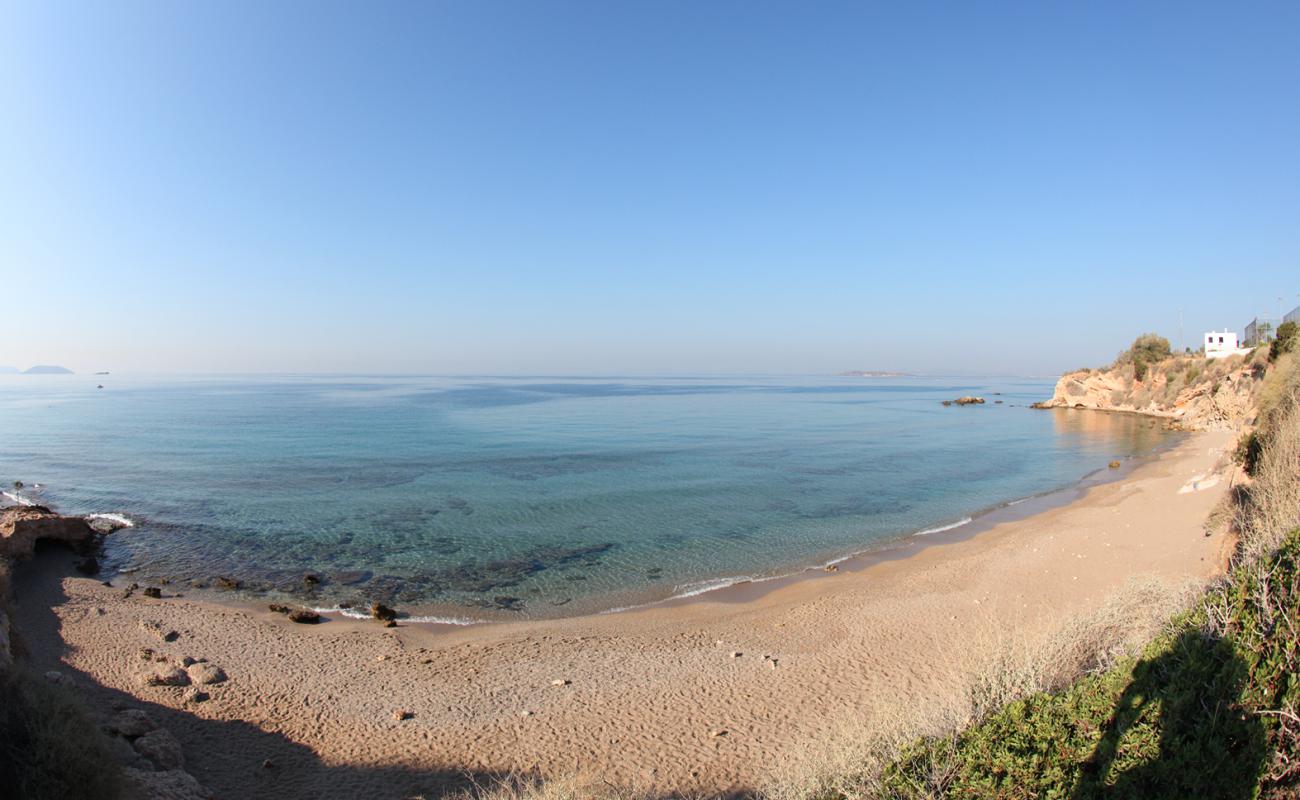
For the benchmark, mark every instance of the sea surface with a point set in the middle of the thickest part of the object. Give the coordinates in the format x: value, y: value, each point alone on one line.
x: 469, y: 498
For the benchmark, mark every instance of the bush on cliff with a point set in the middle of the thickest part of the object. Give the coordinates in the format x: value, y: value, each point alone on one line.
x: 49, y: 748
x: 1285, y: 341
x: 1211, y: 708
x: 1207, y: 710
x: 1147, y: 349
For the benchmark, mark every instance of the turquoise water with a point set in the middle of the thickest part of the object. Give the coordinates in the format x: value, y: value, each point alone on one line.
x: 474, y: 498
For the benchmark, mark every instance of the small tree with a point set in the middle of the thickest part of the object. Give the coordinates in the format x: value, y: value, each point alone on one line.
x: 1284, y: 342
x: 1148, y: 349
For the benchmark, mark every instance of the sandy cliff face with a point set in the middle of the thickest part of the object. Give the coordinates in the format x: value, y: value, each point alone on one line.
x: 1195, y: 393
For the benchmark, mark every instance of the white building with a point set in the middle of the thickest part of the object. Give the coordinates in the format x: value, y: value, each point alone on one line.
x: 1221, y: 344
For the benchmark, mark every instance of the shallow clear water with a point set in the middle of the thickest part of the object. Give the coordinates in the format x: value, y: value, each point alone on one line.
x: 554, y: 496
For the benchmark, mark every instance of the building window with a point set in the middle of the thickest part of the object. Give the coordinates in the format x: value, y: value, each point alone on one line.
x: 1220, y: 340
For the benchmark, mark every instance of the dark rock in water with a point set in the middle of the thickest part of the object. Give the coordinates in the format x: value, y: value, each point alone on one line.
x: 311, y: 579
x: 105, y: 525
x: 279, y: 609
x: 968, y: 400
x: 222, y: 582
x: 351, y: 577
x: 304, y: 616
x: 153, y: 591
x: 88, y: 566
x: 383, y: 612
x: 506, y: 603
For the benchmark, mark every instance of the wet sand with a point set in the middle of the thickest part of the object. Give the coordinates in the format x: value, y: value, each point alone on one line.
x: 646, y: 689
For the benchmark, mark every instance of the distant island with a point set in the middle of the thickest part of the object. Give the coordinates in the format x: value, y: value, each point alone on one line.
x: 871, y: 373
x: 48, y: 369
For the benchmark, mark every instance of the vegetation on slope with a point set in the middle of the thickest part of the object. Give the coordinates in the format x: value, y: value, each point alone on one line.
x: 1148, y: 378
x: 1210, y: 709
x: 50, y: 749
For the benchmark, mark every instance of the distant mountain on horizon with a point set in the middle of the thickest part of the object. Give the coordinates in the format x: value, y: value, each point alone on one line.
x: 48, y: 369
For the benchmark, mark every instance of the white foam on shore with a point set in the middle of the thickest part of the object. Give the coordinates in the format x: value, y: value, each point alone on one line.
x: 693, y: 589
x: 942, y: 528
x: 120, y: 520
x: 352, y: 613
x: 18, y: 499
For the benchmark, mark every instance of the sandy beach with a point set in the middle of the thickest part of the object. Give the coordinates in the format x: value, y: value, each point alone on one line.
x: 708, y: 695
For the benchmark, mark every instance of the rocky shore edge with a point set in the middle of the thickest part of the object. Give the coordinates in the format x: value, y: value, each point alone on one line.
x: 151, y: 758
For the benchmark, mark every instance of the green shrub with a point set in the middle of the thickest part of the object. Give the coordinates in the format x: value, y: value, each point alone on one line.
x: 1285, y: 341
x: 1197, y: 715
x: 49, y: 748
x: 1247, y: 452
x: 1147, y: 349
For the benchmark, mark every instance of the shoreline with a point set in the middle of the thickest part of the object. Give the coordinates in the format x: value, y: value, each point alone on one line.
x: 704, y: 694
x: 887, y: 548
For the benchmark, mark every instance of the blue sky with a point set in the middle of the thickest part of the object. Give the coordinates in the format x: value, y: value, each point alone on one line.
x: 597, y: 187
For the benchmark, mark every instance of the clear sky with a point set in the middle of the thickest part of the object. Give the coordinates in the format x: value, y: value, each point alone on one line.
x: 608, y: 187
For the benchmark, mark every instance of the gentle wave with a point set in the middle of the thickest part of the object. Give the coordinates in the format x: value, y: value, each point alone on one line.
x: 18, y: 499
x: 352, y: 613
x: 694, y: 589
x: 942, y: 528
x: 118, y: 519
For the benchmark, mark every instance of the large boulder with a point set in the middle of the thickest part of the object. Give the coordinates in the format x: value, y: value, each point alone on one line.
x: 172, y: 784
x: 20, y: 527
x: 161, y: 748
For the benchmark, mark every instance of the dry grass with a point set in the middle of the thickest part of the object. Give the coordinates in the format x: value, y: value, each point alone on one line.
x: 996, y: 666
x: 1269, y: 508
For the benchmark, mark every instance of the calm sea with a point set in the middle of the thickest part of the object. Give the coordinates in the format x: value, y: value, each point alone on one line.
x: 471, y: 498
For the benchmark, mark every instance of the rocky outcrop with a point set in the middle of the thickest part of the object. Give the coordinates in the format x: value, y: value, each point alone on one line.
x: 1192, y: 392
x: 22, y: 526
